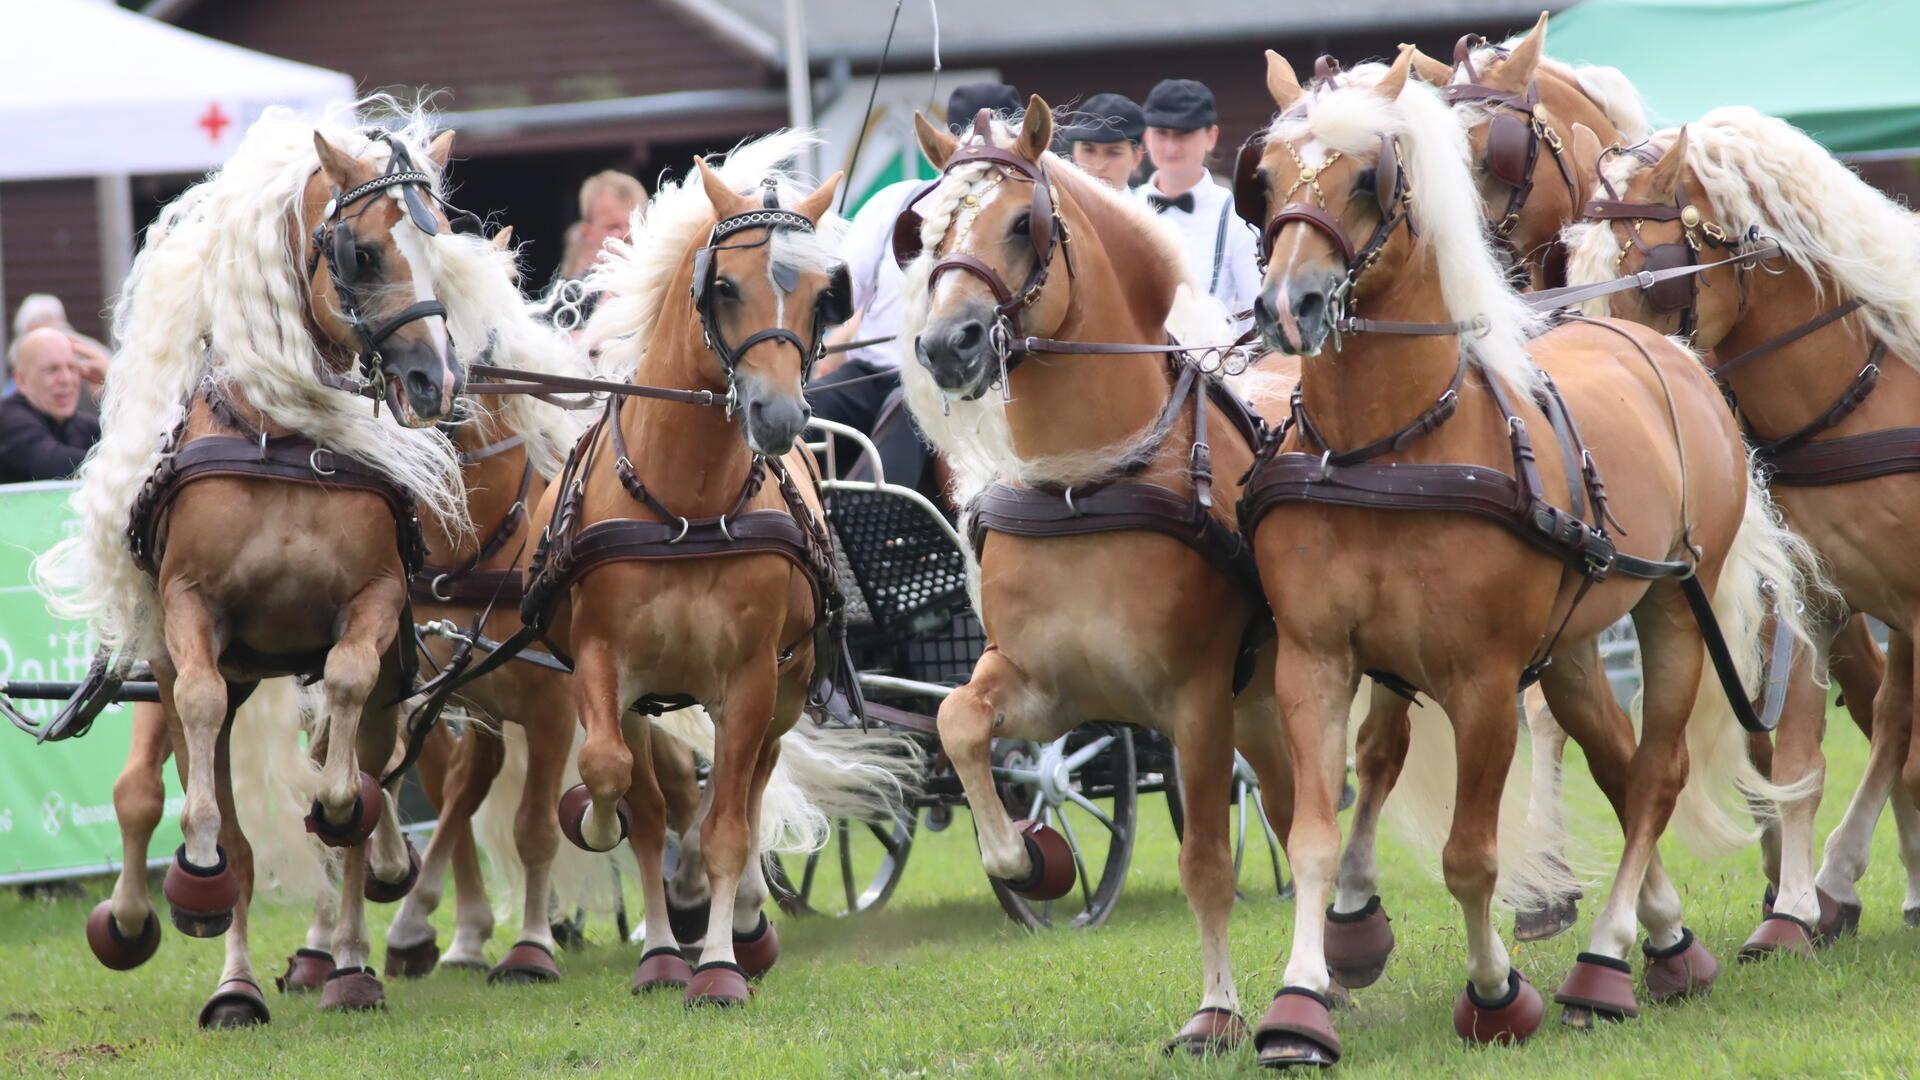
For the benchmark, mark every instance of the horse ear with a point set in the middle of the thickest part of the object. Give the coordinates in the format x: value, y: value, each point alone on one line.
x: 1432, y: 72
x: 814, y: 206
x: 336, y: 163
x: 1282, y: 83
x: 1518, y: 69
x: 1585, y: 147
x: 1036, y: 132
x: 440, y: 150
x: 726, y: 201
x: 502, y: 239
x: 1395, y: 80
x: 1664, y: 180
x: 935, y: 142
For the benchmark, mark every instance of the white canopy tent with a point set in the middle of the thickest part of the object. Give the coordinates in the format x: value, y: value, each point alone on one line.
x: 90, y: 89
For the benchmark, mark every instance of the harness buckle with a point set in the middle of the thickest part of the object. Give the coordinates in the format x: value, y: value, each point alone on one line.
x: 685, y: 527
x: 434, y: 588
x: 313, y: 460
x: 723, y: 529
x: 1644, y: 279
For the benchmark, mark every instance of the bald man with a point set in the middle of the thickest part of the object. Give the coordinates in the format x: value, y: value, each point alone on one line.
x: 43, y: 435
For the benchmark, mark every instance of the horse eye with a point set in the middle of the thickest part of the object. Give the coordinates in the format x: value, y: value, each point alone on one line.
x: 363, y: 259
x: 1022, y: 225
x: 725, y: 289
x: 1364, y: 182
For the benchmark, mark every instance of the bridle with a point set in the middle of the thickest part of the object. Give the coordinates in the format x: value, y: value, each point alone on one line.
x: 768, y: 216
x: 1675, y: 293
x: 333, y: 240
x: 1515, y: 136
x: 1045, y: 230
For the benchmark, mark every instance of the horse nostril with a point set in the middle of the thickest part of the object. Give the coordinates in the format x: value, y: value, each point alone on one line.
x: 967, y: 337
x: 419, y: 385
x: 1309, y: 305
x: 1263, y: 311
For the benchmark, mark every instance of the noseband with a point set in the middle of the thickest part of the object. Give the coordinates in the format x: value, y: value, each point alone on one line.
x: 333, y: 240
x: 768, y: 216
x: 1044, y: 229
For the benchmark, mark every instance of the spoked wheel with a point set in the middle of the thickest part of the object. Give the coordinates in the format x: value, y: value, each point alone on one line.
x: 856, y: 871
x: 1085, y: 785
x: 1249, y: 817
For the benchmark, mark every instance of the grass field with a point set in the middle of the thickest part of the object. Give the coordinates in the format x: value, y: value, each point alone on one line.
x: 940, y: 983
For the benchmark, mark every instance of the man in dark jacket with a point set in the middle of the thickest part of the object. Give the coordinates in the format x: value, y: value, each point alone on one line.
x: 42, y: 434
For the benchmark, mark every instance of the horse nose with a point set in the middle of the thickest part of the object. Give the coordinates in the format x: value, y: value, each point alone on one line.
x: 1265, y: 317
x: 420, y: 388
x: 1309, y: 304
x: 967, y: 338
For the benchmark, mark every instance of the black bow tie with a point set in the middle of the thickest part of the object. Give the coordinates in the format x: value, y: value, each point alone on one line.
x: 1161, y: 204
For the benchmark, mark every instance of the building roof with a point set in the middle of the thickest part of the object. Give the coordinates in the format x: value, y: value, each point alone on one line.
x: 856, y: 29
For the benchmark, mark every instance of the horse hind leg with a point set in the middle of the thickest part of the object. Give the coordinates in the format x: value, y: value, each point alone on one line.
x: 483, y: 755
x: 201, y: 887
x: 124, y: 931
x: 448, y: 770
x: 536, y: 836
x: 1794, y: 923
x: 1547, y: 917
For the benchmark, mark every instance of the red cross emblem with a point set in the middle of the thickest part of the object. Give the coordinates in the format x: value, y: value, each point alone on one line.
x: 214, y: 122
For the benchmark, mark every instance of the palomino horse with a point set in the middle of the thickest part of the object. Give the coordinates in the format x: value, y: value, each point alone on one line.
x: 1801, y: 350
x: 1369, y: 203
x: 1083, y: 453
x: 302, y: 271
x: 694, y: 561
x: 1522, y: 109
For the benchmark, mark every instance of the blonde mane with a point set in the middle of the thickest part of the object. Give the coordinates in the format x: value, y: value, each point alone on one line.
x: 1607, y: 87
x: 1760, y: 171
x: 218, y: 291
x: 1452, y: 222
x: 974, y: 435
x: 633, y: 276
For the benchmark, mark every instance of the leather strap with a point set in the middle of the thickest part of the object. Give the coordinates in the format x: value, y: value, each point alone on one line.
x: 1780, y: 341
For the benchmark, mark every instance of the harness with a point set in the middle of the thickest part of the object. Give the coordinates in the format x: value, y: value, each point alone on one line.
x: 253, y: 454
x: 467, y: 584
x: 1515, y: 136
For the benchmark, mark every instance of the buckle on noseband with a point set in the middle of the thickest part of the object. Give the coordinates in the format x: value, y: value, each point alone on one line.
x: 434, y: 588
x: 313, y: 462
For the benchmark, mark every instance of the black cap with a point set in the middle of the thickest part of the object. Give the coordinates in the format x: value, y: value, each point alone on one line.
x: 1106, y: 118
x: 1180, y: 104
x: 968, y: 99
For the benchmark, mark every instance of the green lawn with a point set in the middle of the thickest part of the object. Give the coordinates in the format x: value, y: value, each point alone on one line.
x: 941, y: 984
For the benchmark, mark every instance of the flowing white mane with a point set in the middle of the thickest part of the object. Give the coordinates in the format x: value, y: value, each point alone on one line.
x: 1759, y: 170
x: 1452, y: 222
x: 634, y: 275
x: 974, y: 434
x: 222, y: 266
x: 1608, y: 87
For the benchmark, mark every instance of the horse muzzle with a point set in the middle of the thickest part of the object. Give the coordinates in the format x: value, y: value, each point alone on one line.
x: 771, y: 421
x: 1296, y: 315
x: 423, y: 385
x: 959, y: 353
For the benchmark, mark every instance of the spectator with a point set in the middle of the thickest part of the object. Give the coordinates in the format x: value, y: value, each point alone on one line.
x: 872, y: 373
x: 608, y: 202
x: 1105, y: 135
x: 42, y: 309
x: 1181, y: 133
x: 43, y: 435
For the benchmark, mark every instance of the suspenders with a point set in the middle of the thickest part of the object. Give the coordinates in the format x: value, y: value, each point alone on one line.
x: 1220, y: 245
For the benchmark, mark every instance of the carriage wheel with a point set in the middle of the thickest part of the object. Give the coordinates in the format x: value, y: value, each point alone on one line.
x: 856, y: 870
x: 1064, y: 784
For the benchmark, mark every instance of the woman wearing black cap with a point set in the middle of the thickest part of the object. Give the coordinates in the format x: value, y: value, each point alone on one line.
x: 1181, y: 133
x: 1105, y: 136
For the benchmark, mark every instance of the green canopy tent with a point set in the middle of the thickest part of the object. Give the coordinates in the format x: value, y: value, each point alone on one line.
x: 1844, y: 71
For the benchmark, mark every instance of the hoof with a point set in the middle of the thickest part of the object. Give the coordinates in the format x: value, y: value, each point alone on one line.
x: 757, y: 951
x: 1210, y: 1032
x: 1549, y: 921
x: 383, y: 892
x: 689, y: 924
x: 1052, y: 874
x: 1598, y: 988
x: 574, y: 803
x: 1511, y: 1019
x: 235, y: 1003
x: 661, y: 969
x: 307, y: 971
x: 1297, y: 1030
x: 113, y: 949
x: 526, y: 962
x: 411, y: 961
x: 717, y: 983
x: 1778, y: 934
x: 201, y: 897
x: 1837, y: 920
x: 359, y: 825
x: 1358, y: 944
x: 352, y: 990
x: 1683, y: 969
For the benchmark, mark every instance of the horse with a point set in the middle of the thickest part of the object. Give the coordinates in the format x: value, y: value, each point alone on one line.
x: 717, y: 308
x: 266, y: 305
x: 1800, y: 343
x: 1081, y: 454
x: 1366, y: 200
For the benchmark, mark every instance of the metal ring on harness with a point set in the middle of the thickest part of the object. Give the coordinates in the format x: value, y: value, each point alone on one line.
x: 1072, y: 509
x: 723, y: 528
x: 313, y: 461
x: 685, y: 527
x: 434, y: 588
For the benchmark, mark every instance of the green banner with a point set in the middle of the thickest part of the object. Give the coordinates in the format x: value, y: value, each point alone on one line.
x: 56, y: 800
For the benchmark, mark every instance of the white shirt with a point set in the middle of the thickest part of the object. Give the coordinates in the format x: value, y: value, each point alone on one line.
x: 877, y: 281
x: 1222, y: 261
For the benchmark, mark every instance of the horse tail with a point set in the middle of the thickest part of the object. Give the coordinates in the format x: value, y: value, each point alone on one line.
x: 274, y: 782
x: 822, y: 775
x: 1532, y: 869
x: 1724, y: 791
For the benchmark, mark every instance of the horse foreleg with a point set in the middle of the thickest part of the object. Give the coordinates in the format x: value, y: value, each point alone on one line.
x: 998, y: 702
x: 139, y: 800
x: 237, y: 1001
x: 1849, y: 846
x: 606, y: 761
x: 353, y: 667
x: 662, y: 963
x: 201, y: 887
x: 1796, y: 756
x: 1203, y: 733
x: 1548, y: 747
x: 536, y: 831
x: 1359, y: 936
x: 742, y: 744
